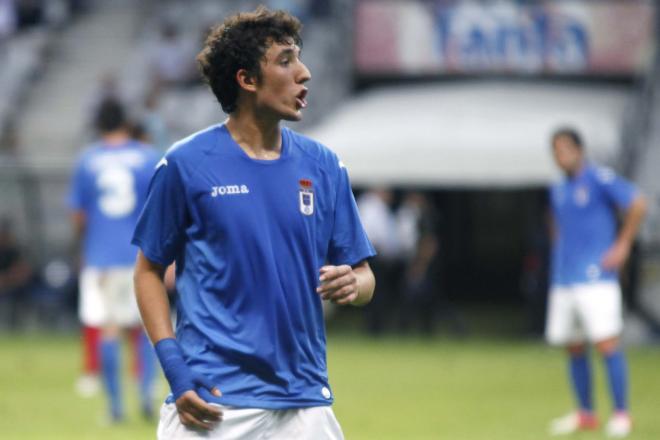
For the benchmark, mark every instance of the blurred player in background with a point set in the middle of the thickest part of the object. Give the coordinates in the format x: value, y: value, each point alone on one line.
x: 262, y: 224
x: 16, y: 275
x: 375, y: 206
x: 108, y: 190
x: 585, y: 303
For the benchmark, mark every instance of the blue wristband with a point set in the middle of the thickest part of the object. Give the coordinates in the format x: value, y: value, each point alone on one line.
x: 178, y: 374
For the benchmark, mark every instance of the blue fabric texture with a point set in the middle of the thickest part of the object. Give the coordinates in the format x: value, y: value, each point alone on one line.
x: 110, y: 371
x: 580, y: 373
x: 617, y: 374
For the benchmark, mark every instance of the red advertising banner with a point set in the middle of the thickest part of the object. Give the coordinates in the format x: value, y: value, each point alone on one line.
x: 548, y: 37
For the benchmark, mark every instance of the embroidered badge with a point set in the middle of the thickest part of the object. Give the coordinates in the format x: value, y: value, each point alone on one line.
x: 581, y: 196
x: 306, y: 197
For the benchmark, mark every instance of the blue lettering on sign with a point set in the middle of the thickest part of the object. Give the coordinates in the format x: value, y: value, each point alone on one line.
x: 516, y: 38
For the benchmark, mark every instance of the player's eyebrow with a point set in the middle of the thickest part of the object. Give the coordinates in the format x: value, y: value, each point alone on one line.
x: 296, y: 51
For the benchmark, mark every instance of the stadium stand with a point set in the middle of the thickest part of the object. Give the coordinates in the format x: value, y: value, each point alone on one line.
x: 186, y: 109
x: 25, y: 38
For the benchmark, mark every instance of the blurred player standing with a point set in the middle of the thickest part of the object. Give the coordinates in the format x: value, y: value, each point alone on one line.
x: 262, y: 224
x: 108, y: 190
x: 585, y: 303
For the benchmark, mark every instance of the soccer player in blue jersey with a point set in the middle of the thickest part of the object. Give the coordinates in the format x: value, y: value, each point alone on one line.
x: 108, y: 190
x: 585, y: 302
x: 263, y: 226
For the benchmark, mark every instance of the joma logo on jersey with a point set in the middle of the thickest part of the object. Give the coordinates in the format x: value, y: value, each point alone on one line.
x: 229, y: 190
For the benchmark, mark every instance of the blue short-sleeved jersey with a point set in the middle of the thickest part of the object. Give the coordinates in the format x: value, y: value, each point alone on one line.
x: 249, y: 237
x: 109, y: 186
x: 585, y: 212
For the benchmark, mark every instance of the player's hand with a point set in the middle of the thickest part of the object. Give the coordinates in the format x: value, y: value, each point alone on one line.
x: 196, y: 413
x: 616, y: 256
x: 339, y: 284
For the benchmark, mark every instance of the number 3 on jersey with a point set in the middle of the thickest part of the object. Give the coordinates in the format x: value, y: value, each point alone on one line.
x: 117, y: 188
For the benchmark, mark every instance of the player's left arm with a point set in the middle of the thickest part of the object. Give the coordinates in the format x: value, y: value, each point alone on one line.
x: 618, y: 253
x: 346, y: 284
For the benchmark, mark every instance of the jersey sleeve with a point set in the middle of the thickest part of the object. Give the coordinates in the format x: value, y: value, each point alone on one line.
x: 349, y: 243
x: 161, y: 227
x: 618, y: 190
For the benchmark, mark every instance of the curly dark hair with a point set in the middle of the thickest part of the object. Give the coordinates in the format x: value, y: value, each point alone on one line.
x: 241, y: 42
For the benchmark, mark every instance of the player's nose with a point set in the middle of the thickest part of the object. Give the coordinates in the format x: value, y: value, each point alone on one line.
x: 304, y: 74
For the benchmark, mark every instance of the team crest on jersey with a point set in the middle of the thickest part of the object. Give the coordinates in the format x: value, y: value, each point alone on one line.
x: 581, y: 196
x: 306, y: 197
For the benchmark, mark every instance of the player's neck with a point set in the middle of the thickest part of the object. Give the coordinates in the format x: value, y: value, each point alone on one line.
x: 576, y: 170
x: 259, y: 138
x: 115, y: 138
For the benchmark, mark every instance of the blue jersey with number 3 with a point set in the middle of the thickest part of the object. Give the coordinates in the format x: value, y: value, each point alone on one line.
x: 109, y: 186
x: 249, y: 237
x: 585, y: 211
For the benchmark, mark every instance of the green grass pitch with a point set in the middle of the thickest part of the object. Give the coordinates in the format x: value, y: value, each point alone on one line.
x: 403, y: 388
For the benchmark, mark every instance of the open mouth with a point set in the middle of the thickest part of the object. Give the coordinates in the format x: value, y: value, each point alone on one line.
x: 301, y: 102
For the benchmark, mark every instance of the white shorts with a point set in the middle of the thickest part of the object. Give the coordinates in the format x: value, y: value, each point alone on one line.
x: 107, y: 297
x: 316, y: 423
x: 584, y: 312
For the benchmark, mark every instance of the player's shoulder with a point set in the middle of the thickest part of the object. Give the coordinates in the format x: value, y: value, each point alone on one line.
x: 89, y: 151
x: 146, y: 155
x: 600, y: 174
x: 145, y: 148
x: 191, y: 149
x: 313, y: 150
x: 558, y: 183
x: 88, y: 155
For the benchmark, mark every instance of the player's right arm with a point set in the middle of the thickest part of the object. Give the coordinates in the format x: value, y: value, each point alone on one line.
x: 152, y: 298
x: 79, y: 199
x: 155, y: 311
x: 79, y: 223
x: 632, y: 203
x: 618, y: 253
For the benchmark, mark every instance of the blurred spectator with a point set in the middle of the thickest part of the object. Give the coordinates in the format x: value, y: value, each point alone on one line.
x: 77, y: 7
x: 15, y: 278
x: 53, y: 291
x: 154, y: 124
x: 8, y: 19
x: 320, y: 9
x: 172, y: 61
x: 422, y: 290
x: 299, y: 8
x: 419, y: 241
x: 138, y: 132
x: 534, y: 275
x: 375, y: 208
x: 30, y: 13
x: 9, y: 139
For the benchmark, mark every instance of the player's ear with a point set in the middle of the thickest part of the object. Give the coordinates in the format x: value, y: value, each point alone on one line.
x: 246, y: 80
